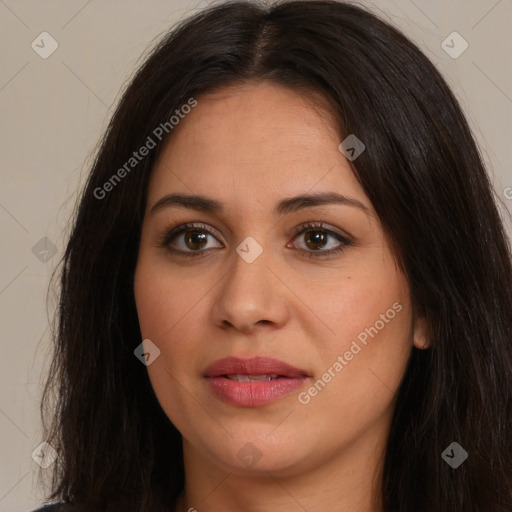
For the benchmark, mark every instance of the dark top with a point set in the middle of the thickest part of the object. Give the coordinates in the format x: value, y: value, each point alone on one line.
x: 67, y: 507
x: 63, y: 507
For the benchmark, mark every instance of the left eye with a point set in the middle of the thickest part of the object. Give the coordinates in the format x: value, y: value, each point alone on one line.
x: 318, y: 239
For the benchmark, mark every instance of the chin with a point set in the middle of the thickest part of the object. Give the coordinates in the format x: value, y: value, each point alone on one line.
x: 253, y: 453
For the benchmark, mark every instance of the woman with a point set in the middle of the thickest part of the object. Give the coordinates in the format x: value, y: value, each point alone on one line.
x: 287, y: 285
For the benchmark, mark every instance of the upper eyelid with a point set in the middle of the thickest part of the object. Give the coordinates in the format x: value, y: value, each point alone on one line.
x: 321, y: 226
x: 178, y: 229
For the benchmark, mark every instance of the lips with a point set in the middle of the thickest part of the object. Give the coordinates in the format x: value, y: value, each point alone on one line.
x: 253, y: 366
x: 253, y: 382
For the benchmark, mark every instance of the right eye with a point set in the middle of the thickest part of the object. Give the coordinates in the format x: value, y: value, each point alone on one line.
x: 189, y: 240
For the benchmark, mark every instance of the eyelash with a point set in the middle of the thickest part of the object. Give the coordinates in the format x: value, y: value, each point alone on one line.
x: 170, y: 235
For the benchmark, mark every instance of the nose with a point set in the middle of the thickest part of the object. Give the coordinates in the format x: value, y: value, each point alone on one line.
x: 251, y: 296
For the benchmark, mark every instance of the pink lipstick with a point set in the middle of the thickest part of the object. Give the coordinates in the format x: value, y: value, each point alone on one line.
x: 253, y: 382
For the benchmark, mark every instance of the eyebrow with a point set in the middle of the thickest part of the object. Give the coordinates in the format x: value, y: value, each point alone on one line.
x: 292, y: 204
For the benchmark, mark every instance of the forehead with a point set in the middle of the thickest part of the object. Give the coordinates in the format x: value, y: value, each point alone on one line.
x: 255, y: 144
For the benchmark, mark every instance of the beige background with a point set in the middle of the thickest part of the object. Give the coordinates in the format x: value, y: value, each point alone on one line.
x: 54, y: 110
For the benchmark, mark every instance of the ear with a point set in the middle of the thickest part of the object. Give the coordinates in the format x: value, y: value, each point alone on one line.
x: 420, y: 334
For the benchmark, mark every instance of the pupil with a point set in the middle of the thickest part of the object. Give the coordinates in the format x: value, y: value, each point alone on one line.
x: 315, y: 237
x: 195, y: 239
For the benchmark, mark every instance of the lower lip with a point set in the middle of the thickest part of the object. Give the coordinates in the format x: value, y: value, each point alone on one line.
x: 255, y: 393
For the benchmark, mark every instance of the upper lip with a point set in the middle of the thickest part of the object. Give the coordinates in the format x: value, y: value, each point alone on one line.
x: 253, y: 366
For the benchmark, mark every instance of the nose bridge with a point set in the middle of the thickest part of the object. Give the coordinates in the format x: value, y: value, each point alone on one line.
x: 250, y: 292
x: 247, y: 279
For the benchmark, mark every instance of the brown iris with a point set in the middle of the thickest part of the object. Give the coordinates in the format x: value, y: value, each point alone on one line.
x: 195, y: 239
x: 315, y: 239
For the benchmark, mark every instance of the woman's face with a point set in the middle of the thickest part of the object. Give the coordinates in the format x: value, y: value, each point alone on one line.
x: 267, y: 247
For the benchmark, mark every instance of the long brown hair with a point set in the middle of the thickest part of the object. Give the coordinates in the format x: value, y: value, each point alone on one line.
x: 425, y: 177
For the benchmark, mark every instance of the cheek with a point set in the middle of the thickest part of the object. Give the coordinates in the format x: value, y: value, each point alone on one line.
x: 168, y: 311
x: 162, y: 301
x: 370, y: 327
x: 165, y: 318
x: 372, y: 296
x: 361, y: 371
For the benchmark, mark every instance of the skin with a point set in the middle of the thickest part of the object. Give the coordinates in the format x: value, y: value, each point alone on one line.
x: 250, y: 147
